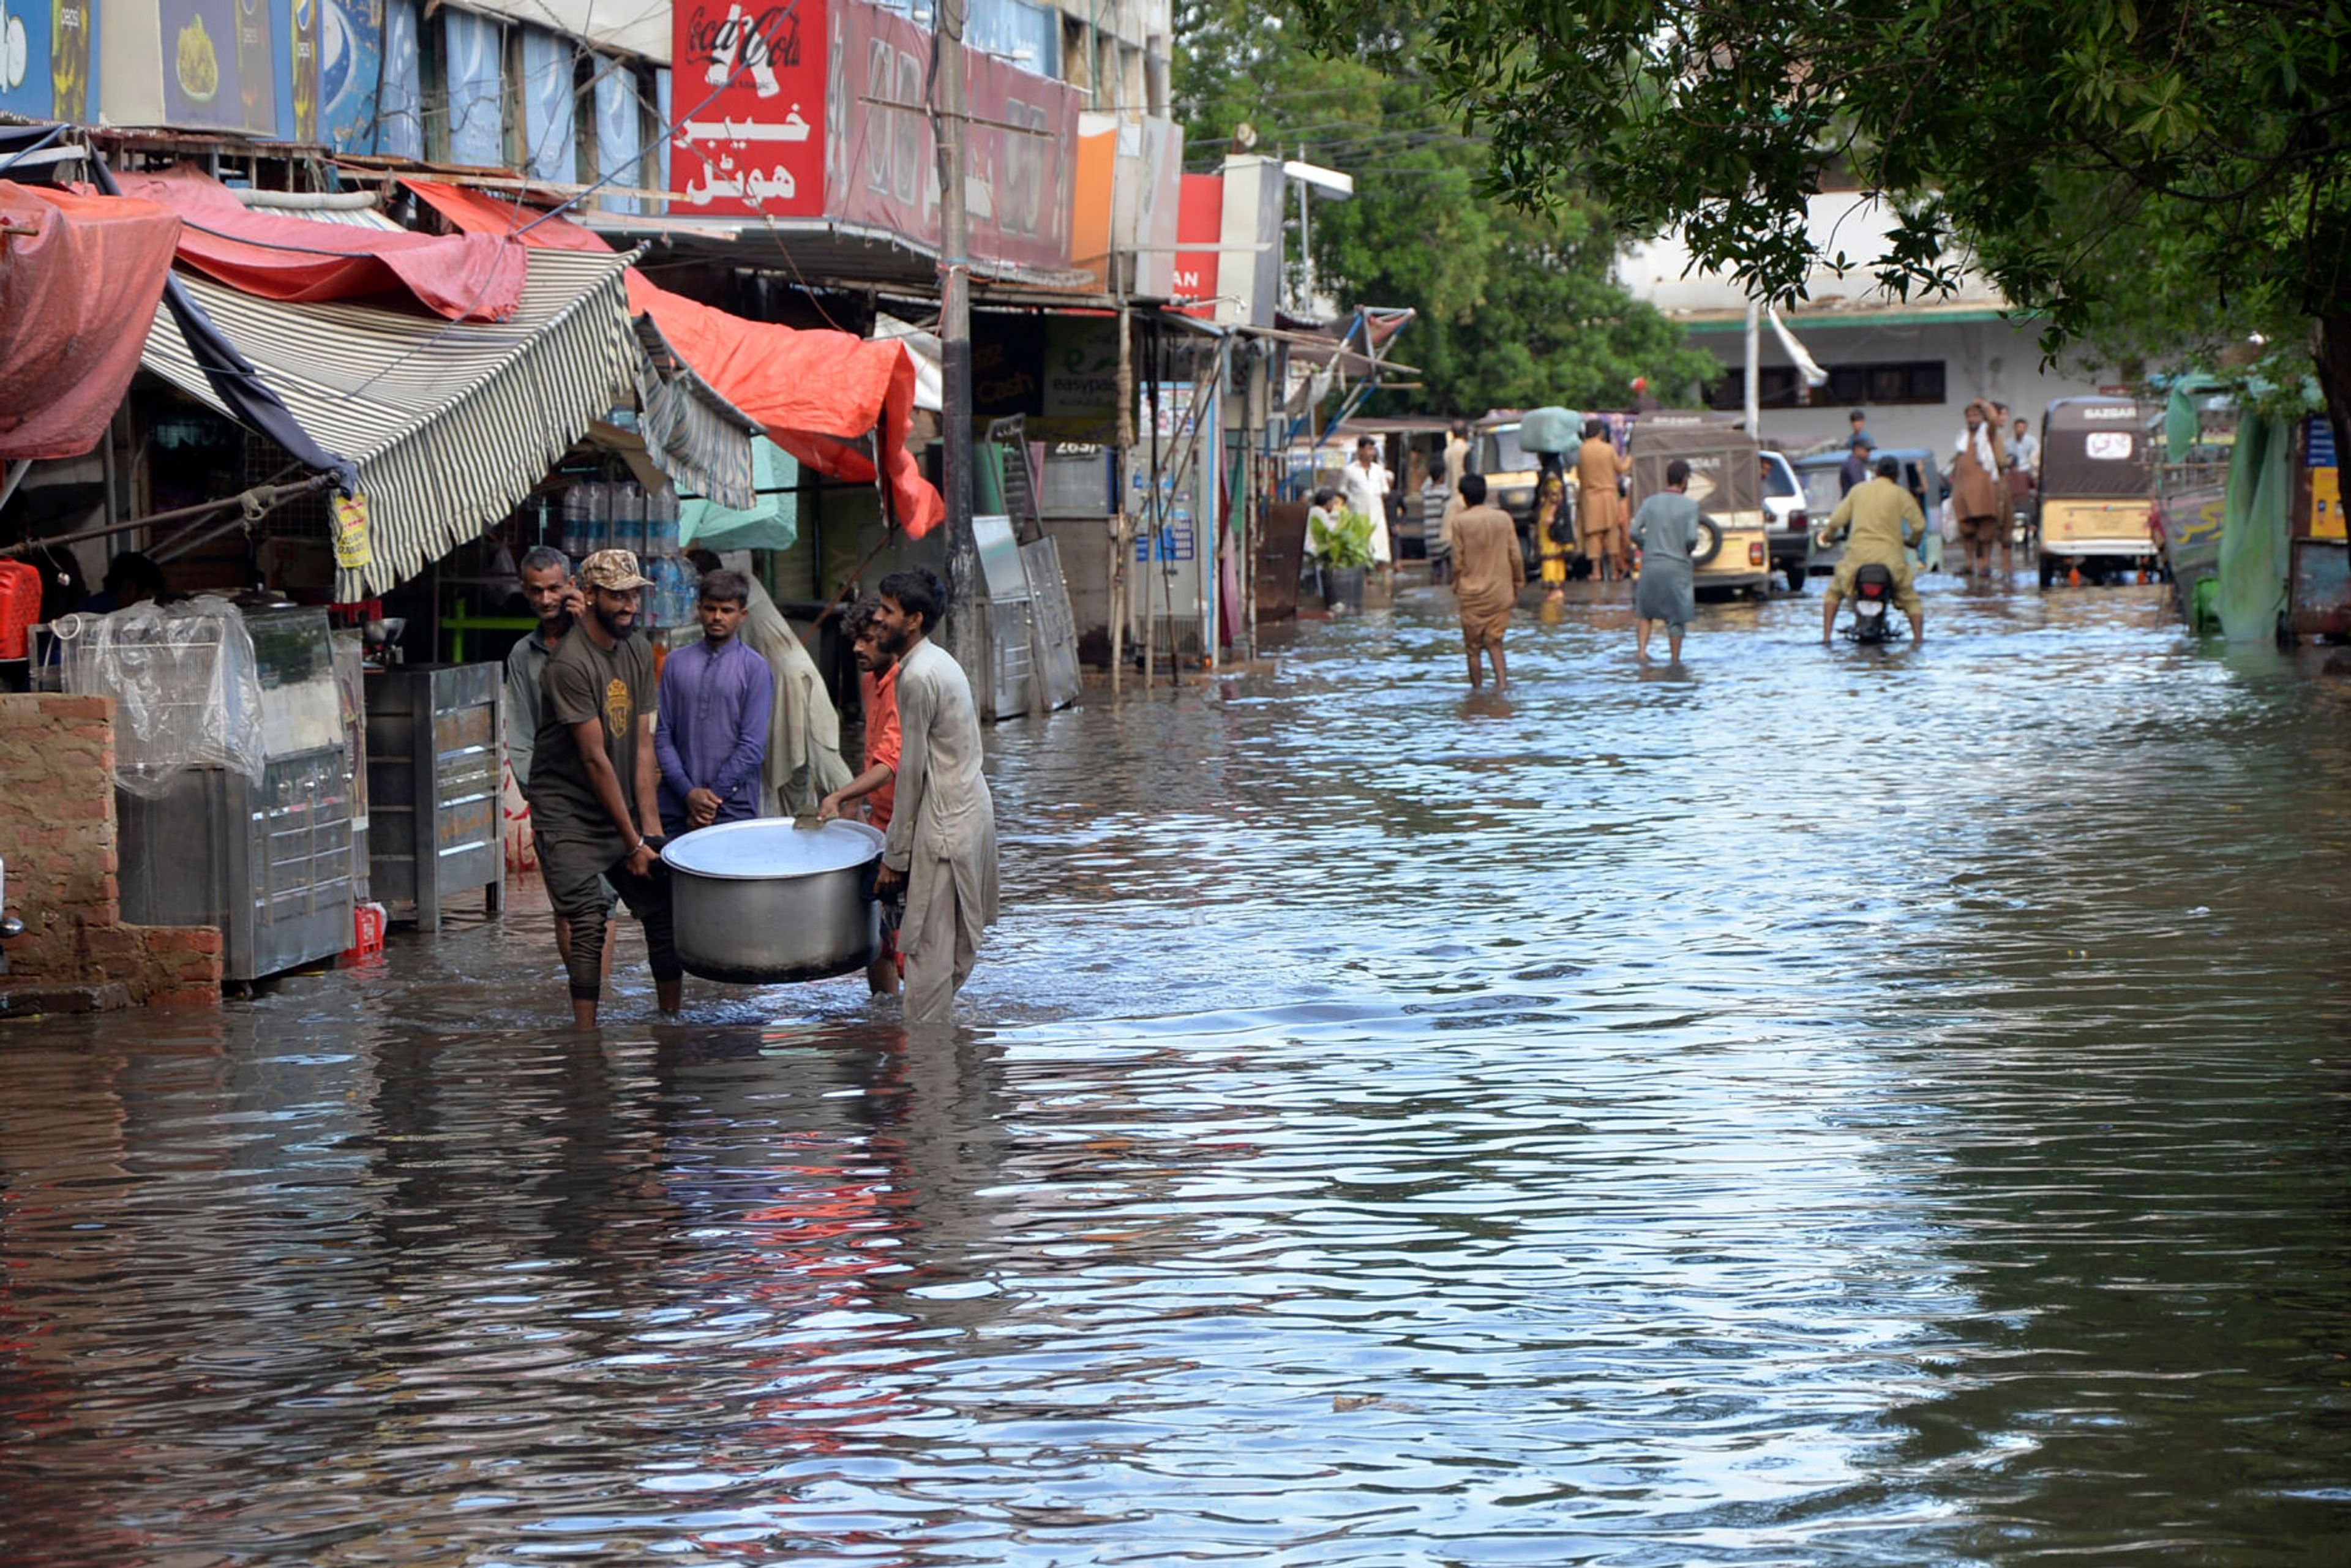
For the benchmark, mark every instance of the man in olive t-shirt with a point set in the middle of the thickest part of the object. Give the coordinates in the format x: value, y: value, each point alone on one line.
x: 594, y: 806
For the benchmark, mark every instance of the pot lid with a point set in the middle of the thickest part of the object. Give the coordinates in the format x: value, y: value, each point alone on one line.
x: 772, y: 847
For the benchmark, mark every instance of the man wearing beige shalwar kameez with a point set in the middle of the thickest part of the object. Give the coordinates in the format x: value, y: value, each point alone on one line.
x: 942, y: 846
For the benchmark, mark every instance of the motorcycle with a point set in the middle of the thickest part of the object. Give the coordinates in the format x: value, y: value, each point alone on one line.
x: 1873, y: 602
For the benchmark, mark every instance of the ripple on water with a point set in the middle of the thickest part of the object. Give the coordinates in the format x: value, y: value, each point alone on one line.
x: 1818, y: 1107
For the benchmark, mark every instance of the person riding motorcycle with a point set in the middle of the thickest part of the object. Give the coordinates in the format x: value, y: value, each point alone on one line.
x: 1881, y: 517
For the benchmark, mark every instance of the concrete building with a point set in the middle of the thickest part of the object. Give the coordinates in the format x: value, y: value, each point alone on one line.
x: 1913, y: 365
x: 1118, y: 51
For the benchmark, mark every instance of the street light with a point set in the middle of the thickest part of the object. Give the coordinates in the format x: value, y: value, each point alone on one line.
x: 1334, y: 183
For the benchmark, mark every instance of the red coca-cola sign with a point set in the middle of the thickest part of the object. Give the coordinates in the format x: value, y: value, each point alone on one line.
x: 749, y: 96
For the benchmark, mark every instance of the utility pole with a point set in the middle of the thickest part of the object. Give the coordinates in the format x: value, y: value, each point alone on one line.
x: 951, y: 127
x: 1754, y: 370
x: 1121, y: 536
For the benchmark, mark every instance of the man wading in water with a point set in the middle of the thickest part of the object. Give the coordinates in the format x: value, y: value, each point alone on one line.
x: 595, y: 803
x: 942, y: 848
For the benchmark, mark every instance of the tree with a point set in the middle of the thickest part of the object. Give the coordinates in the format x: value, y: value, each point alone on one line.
x: 1515, y: 308
x: 2128, y: 169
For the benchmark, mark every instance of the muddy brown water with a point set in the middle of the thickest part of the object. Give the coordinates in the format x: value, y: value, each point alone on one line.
x: 1807, y: 1107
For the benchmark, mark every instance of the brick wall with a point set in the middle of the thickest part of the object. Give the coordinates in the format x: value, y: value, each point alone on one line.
x: 57, y: 835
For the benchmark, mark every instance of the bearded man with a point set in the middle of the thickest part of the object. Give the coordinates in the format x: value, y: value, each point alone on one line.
x: 942, y: 847
x: 595, y: 789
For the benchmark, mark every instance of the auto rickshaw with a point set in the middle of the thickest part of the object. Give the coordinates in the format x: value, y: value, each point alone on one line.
x: 1734, y: 555
x: 1511, y: 474
x: 2096, y: 491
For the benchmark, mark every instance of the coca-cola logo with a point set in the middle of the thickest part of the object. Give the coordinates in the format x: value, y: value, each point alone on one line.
x: 770, y: 40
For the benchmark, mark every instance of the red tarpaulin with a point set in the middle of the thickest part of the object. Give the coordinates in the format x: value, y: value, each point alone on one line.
x: 817, y: 393
x: 76, y: 297
x: 465, y: 278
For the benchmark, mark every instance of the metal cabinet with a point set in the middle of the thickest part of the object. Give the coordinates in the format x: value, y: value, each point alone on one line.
x: 435, y: 790
x: 269, y: 863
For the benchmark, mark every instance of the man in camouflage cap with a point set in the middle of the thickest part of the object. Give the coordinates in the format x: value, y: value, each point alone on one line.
x: 594, y: 786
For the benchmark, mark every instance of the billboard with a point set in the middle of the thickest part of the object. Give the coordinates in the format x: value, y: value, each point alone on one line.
x: 750, y: 82
x: 46, y: 58
x: 881, y: 156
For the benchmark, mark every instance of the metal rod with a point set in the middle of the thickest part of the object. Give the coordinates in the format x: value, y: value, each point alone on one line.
x: 264, y: 496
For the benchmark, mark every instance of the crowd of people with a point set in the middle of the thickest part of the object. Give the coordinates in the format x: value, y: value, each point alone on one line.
x: 1475, y: 548
x: 615, y: 762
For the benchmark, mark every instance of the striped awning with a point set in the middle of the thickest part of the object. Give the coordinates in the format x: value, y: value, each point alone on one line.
x: 694, y: 435
x: 451, y: 423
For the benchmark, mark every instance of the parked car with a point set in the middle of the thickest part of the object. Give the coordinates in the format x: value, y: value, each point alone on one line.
x: 1788, y: 511
x: 1921, y: 475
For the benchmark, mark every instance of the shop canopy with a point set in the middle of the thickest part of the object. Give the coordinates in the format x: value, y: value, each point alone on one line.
x: 451, y: 423
x: 818, y: 395
x: 81, y: 277
x: 461, y: 277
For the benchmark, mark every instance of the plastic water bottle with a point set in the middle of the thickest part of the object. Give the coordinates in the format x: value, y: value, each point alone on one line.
x: 629, y: 520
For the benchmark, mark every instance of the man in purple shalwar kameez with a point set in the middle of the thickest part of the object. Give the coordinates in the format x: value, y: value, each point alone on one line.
x: 713, y: 730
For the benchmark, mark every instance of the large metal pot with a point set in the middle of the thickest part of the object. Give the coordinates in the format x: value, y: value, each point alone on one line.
x: 761, y: 902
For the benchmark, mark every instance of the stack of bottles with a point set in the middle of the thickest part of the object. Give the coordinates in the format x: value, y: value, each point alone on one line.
x: 675, y: 583
x: 601, y: 516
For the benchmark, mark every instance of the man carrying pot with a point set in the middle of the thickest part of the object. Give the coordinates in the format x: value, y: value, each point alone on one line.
x: 595, y: 802
x: 942, y: 848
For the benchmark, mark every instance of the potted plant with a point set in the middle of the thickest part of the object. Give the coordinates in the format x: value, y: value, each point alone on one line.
x: 1343, y: 550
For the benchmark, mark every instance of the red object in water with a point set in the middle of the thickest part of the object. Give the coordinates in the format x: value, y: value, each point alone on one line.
x: 367, y: 934
x: 20, y: 606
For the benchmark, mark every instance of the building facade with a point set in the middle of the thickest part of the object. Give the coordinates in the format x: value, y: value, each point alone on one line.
x: 1912, y: 365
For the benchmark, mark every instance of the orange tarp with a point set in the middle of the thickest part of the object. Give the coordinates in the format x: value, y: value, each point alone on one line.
x: 817, y: 393
x: 273, y: 256
x: 78, y: 293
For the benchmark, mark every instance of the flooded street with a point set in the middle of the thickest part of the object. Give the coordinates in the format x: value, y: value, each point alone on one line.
x: 1816, y: 1107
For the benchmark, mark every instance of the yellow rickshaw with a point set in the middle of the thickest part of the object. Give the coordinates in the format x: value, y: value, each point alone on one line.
x: 1726, y: 481
x: 2096, y: 491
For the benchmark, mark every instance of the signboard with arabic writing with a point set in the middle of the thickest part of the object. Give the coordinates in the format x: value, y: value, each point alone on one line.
x: 750, y: 88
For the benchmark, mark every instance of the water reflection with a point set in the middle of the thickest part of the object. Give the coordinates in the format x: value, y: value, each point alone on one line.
x: 1800, y: 1107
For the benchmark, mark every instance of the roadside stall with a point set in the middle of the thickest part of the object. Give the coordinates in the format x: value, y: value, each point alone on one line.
x: 232, y: 774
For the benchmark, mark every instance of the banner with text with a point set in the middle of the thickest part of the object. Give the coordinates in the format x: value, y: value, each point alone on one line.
x: 750, y: 83
x: 882, y: 154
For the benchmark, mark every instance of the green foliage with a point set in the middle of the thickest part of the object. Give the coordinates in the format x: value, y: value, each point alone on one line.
x: 1345, y: 542
x: 1515, y: 308
x: 2142, y: 176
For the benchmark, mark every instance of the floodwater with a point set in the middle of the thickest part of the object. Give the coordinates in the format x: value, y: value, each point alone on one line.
x: 1812, y: 1107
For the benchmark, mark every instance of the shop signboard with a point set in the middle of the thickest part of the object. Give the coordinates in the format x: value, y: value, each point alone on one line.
x: 216, y: 66
x: 303, y: 34
x: 46, y: 58
x: 2326, y: 518
x: 473, y: 54
x: 350, y: 67
x: 750, y: 85
x: 1081, y: 365
x: 881, y: 162
x: 1200, y: 226
x: 250, y: 66
x: 548, y: 150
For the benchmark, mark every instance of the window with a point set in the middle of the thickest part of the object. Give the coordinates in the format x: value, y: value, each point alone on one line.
x: 1917, y: 380
x: 1849, y: 386
x: 1499, y: 451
